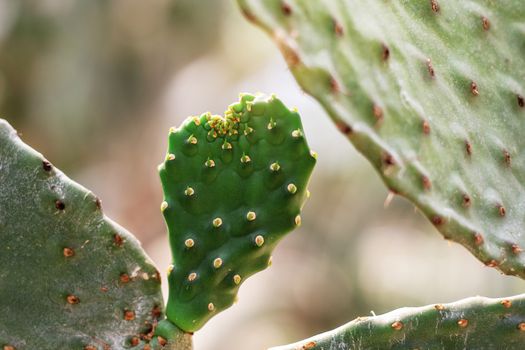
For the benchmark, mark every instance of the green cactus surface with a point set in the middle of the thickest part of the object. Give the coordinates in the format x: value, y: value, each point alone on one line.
x: 233, y: 186
x: 70, y: 278
x: 473, y: 323
x: 432, y: 93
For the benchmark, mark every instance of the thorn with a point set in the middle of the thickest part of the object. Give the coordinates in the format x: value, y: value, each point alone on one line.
x: 468, y: 148
x: 388, y: 199
x: 507, y: 158
x: 211, y: 307
x: 245, y: 159
x: 291, y: 188
x: 298, y: 220
x: 72, y: 299
x: 210, y: 163
x: 98, y: 203
x: 426, y: 127
x: 248, y: 130
x: 313, y: 154
x: 430, y: 68
x: 485, y: 23
x: 259, y: 241
x: 250, y: 216
x: 217, y: 222
x: 385, y: 52
x: 434, y: 5
x: 189, y: 243
x: 516, y: 249
x: 192, y: 276
x: 163, y: 206
x: 463, y: 323
x: 161, y: 341
x: 270, y: 261
x: 439, y: 307
x: 338, y: 29
x: 506, y: 303
x: 521, y: 326
x: 474, y: 88
x: 297, y: 133
x: 118, y: 240
x: 427, y: 184
x: 134, y: 341
x: 398, y: 325
x: 275, y: 166
x: 388, y: 159
x: 192, y: 140
x: 334, y: 86
x: 466, y: 200
x: 501, y: 210
x: 478, y: 238
x: 492, y: 263
x: 68, y: 252
x: 437, y: 220
x: 124, y: 278
x: 378, y: 112
x: 309, y: 345
x: 344, y: 128
x: 60, y: 205
x: 217, y: 263
x: 129, y: 315
x: 46, y: 165
x: 170, y: 156
x: 237, y: 279
x: 287, y: 10
x: 189, y: 191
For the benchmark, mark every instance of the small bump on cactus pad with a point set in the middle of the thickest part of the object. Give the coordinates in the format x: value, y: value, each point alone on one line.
x: 473, y: 323
x: 432, y: 93
x: 70, y: 278
x: 233, y: 186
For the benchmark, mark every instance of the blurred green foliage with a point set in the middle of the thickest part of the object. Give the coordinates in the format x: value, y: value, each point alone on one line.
x: 94, y: 67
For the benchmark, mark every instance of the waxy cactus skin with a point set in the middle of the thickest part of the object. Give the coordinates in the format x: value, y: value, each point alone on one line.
x: 432, y: 93
x: 70, y: 277
x: 473, y: 323
x: 234, y: 185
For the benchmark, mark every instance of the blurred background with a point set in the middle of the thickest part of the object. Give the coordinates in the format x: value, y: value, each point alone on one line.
x: 95, y: 85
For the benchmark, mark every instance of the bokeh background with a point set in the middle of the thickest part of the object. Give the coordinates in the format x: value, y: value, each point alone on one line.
x: 95, y: 86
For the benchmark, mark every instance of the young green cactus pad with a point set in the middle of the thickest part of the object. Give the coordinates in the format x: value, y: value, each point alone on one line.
x: 233, y: 186
x: 473, y: 323
x: 432, y: 92
x: 70, y: 278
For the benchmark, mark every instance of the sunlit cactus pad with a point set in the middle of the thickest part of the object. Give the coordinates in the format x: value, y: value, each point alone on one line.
x: 70, y: 278
x: 432, y: 93
x: 233, y: 186
x: 473, y: 323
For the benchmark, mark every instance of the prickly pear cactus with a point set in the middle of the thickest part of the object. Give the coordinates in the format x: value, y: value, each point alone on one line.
x: 432, y: 92
x: 70, y: 278
x: 473, y: 323
x: 233, y: 186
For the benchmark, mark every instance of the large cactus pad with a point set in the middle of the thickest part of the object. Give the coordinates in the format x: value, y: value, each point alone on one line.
x: 432, y: 93
x: 69, y: 277
x: 233, y: 186
x: 473, y: 323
